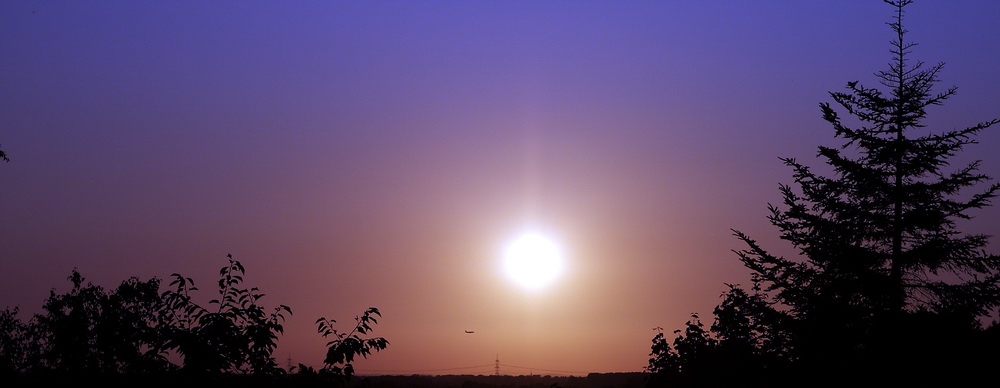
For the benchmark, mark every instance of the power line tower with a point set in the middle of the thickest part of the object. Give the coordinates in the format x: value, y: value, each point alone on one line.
x: 496, y: 367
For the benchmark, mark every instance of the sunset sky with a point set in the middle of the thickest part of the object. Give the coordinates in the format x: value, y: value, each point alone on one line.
x: 384, y: 153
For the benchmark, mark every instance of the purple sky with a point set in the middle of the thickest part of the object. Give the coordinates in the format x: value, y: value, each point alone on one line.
x: 380, y: 153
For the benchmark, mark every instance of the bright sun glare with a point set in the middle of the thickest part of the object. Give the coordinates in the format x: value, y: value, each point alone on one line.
x: 533, y: 261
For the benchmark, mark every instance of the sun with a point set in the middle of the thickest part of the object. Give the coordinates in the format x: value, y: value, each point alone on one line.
x: 533, y: 261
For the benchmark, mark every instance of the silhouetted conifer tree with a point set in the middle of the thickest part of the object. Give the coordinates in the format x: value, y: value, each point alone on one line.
x: 884, y: 283
x: 880, y: 255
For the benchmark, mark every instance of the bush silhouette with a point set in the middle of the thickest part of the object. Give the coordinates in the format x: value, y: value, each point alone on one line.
x: 344, y: 347
x: 237, y: 336
x: 129, y: 334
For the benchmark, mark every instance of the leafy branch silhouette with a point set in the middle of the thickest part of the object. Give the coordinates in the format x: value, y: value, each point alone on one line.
x: 239, y: 336
x: 343, y: 347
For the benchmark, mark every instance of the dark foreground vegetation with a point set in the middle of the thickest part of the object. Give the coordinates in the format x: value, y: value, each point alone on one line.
x: 134, y: 335
x: 884, y: 291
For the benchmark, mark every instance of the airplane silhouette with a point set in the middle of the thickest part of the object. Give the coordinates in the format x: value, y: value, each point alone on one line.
x: 469, y: 332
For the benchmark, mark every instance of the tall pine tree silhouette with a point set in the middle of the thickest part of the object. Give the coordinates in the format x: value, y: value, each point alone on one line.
x: 881, y: 258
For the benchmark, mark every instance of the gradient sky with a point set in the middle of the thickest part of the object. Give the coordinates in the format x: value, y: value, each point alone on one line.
x: 381, y: 153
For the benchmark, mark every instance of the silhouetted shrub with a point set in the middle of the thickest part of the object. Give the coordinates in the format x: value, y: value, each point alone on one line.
x: 344, y: 346
x: 90, y: 331
x: 237, y: 336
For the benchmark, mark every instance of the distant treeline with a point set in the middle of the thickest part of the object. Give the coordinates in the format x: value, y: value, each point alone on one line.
x: 593, y: 380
